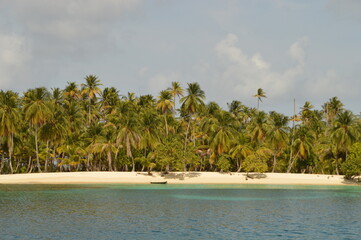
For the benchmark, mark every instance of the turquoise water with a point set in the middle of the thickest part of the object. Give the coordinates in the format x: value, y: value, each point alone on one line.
x: 179, y: 212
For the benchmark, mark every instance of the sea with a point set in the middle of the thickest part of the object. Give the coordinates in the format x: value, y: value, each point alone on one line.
x: 121, y: 211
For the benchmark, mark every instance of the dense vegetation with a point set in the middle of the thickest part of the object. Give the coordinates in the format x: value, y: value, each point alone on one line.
x: 84, y: 128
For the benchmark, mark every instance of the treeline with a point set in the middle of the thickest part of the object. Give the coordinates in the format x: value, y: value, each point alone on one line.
x: 84, y: 128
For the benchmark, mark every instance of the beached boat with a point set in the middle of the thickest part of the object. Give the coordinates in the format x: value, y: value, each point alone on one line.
x: 160, y: 182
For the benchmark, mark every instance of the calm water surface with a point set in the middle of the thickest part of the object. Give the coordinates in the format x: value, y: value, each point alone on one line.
x: 179, y: 212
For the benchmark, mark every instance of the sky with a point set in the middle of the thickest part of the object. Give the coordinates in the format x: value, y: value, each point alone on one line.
x: 305, y: 50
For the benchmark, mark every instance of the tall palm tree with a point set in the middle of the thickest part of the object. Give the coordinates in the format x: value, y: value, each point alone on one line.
x: 9, y: 119
x: 128, y: 134
x: 191, y: 103
x: 302, y: 145
x: 259, y: 95
x: 176, y: 90
x: 277, y: 134
x: 37, y: 111
x: 331, y: 109
x: 344, y: 134
x: 91, y: 90
x: 165, y: 104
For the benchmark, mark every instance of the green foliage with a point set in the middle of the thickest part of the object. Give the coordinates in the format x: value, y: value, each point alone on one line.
x: 224, y: 163
x: 85, y: 127
x: 352, y: 166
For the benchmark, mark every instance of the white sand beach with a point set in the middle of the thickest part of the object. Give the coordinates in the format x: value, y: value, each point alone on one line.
x: 171, y: 178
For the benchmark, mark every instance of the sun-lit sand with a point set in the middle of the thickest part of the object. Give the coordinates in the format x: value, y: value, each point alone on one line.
x: 172, y: 178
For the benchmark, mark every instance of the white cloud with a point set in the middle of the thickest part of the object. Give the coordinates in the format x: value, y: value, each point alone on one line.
x: 13, y: 55
x: 161, y: 81
x: 243, y: 75
x: 330, y: 84
x: 297, y: 51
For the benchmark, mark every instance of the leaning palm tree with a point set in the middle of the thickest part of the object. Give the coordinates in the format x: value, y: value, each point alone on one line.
x: 9, y: 120
x: 37, y: 111
x: 165, y: 104
x: 91, y: 89
x: 259, y: 95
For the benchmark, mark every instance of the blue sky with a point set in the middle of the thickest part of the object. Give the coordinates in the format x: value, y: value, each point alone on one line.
x: 308, y: 50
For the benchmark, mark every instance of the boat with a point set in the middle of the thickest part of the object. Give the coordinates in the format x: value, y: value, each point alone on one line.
x: 160, y: 182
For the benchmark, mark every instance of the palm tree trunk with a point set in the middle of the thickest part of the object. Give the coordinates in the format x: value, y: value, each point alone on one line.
x: 274, y: 162
x: 2, y: 162
x: 11, y: 140
x: 185, y: 145
x: 30, y: 165
x: 337, y: 172
x: 166, y: 124
x: 133, y: 167
x: 46, y: 157
x: 109, y: 156
x: 37, y: 148
x: 240, y: 166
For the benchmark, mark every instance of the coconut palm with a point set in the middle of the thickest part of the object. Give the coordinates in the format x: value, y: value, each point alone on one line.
x: 165, y: 104
x: 176, y: 90
x: 277, y: 135
x: 258, y: 127
x: 37, y: 111
x: 9, y: 120
x: 91, y: 89
x: 344, y: 133
x: 191, y: 103
x: 302, y: 145
x: 128, y: 134
x: 240, y: 150
x: 259, y: 95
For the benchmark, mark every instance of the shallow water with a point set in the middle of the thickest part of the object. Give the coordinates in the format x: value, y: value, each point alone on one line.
x: 179, y: 212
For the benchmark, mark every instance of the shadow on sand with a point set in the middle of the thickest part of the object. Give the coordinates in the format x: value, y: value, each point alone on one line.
x: 255, y: 175
x: 180, y: 176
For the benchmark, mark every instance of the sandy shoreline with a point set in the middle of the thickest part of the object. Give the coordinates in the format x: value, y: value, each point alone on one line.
x: 171, y: 178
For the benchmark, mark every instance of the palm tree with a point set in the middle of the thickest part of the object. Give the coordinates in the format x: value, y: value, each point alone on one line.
x: 190, y: 105
x: 128, y: 134
x: 277, y: 135
x: 106, y: 143
x: 344, y: 134
x: 9, y: 119
x: 91, y: 90
x: 259, y: 95
x: 258, y: 127
x: 302, y: 145
x: 165, y: 104
x: 240, y: 150
x: 331, y: 109
x: 71, y: 91
x: 37, y: 111
x: 176, y: 90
